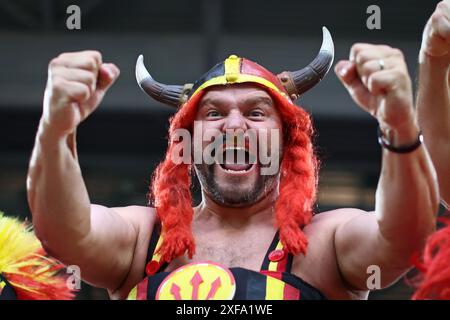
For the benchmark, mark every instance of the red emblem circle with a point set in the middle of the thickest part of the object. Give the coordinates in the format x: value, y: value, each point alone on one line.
x: 276, y: 255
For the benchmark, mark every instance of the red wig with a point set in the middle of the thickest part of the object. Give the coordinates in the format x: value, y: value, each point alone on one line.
x: 170, y: 191
x: 435, y: 266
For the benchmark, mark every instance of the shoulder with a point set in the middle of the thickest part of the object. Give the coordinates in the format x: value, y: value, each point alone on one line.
x: 337, y: 217
x: 135, y: 211
x: 329, y: 224
x: 139, y: 216
x: 323, y: 226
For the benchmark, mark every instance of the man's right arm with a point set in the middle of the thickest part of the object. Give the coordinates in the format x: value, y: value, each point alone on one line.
x: 100, y: 240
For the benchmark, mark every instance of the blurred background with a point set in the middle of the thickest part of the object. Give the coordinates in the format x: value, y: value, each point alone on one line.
x: 122, y: 142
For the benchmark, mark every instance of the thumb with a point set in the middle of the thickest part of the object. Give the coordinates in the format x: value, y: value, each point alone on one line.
x: 107, y: 75
x: 348, y: 75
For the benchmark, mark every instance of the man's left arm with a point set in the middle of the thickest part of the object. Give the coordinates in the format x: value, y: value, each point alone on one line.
x: 407, y: 197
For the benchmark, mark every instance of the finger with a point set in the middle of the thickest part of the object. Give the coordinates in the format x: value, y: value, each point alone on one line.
x: 386, y: 81
x: 376, y: 54
x: 88, y: 60
x: 78, y: 75
x: 358, y: 48
x: 347, y: 74
x: 70, y: 91
x: 107, y: 75
x: 444, y: 7
x: 344, y: 69
x: 441, y: 26
x: 375, y: 65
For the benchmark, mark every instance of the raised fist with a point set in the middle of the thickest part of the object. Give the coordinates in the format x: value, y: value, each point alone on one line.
x: 436, y: 36
x: 376, y: 76
x: 77, y: 82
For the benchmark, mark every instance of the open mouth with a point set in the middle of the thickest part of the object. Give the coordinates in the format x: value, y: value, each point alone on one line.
x: 237, y: 160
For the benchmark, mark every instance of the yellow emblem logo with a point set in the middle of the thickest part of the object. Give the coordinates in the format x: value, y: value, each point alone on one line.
x: 198, y: 281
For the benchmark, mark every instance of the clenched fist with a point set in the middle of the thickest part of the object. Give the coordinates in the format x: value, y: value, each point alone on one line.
x: 377, y: 78
x: 76, y: 84
x: 436, y: 35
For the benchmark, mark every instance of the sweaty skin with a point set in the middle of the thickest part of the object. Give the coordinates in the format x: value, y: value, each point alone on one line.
x: 110, y: 244
x: 433, y: 99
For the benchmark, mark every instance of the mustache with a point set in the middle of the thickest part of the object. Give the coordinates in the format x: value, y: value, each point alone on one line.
x: 262, y: 146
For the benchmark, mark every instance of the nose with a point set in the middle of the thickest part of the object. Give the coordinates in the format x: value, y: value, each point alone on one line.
x: 235, y: 120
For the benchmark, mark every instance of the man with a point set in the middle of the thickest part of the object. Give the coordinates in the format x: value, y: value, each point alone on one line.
x: 433, y: 105
x: 325, y: 255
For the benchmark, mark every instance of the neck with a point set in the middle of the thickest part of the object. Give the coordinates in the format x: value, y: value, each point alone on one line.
x: 261, y: 212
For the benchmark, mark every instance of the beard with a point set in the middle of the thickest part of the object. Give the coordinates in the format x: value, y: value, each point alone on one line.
x: 235, y: 191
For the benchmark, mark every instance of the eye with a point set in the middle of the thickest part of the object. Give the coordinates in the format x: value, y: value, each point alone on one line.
x: 212, y: 114
x: 256, y: 113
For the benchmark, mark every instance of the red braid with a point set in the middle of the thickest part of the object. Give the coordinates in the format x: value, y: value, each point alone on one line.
x: 171, y: 194
x: 436, y: 267
x: 298, y: 184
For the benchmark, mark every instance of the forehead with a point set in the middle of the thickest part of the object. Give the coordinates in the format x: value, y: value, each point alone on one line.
x: 236, y: 92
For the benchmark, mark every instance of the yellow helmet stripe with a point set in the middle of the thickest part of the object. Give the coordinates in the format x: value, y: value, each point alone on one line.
x: 233, y: 75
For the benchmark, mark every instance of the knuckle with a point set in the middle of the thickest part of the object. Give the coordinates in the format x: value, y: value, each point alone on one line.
x: 374, y: 79
x: 96, y: 55
x: 64, y: 56
x: 397, y: 52
x: 400, y: 74
x: 81, y: 94
x: 91, y: 63
x: 92, y: 79
x: 441, y: 5
x: 384, y: 46
x: 355, y: 49
x: 58, y: 84
x: 361, y: 57
x: 84, y: 95
x: 358, y: 46
x: 436, y: 17
x: 54, y: 63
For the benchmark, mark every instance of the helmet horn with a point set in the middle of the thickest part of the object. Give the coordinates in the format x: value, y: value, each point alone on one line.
x: 300, y: 81
x: 172, y: 95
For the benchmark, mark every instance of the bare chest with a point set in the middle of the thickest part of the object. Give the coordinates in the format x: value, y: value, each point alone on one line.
x: 230, y: 250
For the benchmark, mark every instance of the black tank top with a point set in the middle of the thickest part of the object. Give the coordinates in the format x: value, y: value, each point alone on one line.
x: 273, y: 282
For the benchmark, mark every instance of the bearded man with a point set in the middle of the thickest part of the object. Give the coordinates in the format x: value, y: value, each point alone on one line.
x: 253, y: 236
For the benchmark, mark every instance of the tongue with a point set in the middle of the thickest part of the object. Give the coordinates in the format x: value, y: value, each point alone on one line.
x: 236, y: 167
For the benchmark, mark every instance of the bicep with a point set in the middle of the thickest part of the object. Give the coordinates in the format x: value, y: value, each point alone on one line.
x: 108, y: 249
x: 439, y: 150
x: 360, y: 247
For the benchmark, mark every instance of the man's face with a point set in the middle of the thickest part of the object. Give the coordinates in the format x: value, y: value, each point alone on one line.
x: 245, y: 110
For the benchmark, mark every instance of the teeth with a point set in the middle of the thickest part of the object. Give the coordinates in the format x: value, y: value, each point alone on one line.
x: 237, y: 171
x: 242, y: 149
x: 249, y: 158
x: 234, y: 171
